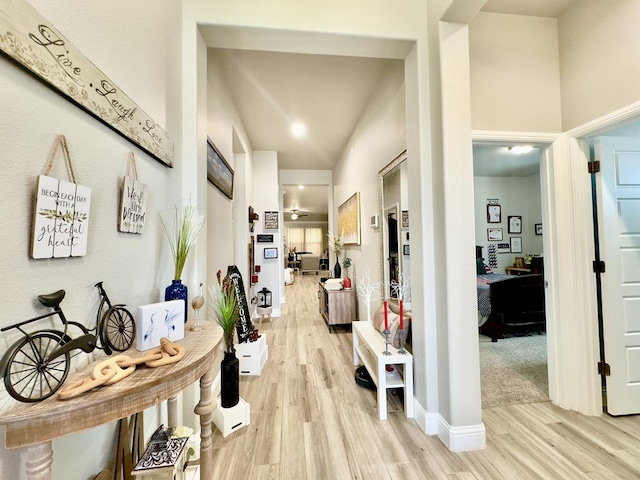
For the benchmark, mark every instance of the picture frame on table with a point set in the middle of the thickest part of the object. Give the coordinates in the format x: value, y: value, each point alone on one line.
x: 218, y: 170
x: 494, y: 234
x: 494, y: 213
x: 514, y: 224
x: 516, y: 244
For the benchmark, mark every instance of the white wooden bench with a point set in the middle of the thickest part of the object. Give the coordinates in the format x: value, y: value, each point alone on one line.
x: 368, y: 348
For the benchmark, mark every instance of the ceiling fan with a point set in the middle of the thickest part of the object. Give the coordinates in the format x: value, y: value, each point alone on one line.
x: 295, y: 215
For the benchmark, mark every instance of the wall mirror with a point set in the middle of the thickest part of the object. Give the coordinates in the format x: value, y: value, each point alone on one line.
x: 394, y: 223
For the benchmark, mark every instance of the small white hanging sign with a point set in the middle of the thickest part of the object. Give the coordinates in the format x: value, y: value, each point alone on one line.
x: 133, y: 203
x: 61, y: 217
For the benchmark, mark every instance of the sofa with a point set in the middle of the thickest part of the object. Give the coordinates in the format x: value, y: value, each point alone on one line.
x: 309, y: 264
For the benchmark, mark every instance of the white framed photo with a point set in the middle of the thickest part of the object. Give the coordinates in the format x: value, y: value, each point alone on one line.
x: 516, y: 244
x: 494, y: 213
x: 157, y: 320
x: 494, y: 234
x: 515, y: 224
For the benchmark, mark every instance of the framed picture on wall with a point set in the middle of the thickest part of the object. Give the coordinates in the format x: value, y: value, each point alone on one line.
x: 494, y: 234
x: 515, y: 224
x: 516, y: 244
x: 270, y: 253
x: 538, y: 227
x: 494, y: 213
x: 218, y: 170
x: 270, y: 220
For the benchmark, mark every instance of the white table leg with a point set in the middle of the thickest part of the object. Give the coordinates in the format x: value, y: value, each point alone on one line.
x: 382, y: 390
x: 172, y: 411
x: 356, y: 342
x: 39, y: 461
x: 408, y: 389
x: 205, y: 409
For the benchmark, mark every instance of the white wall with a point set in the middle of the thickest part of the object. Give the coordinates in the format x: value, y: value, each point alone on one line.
x: 266, y: 197
x: 600, y: 66
x: 134, y: 268
x: 515, y: 73
x: 517, y: 196
x: 379, y: 137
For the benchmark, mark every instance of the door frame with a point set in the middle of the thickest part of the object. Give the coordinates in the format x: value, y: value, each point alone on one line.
x: 553, y: 176
x: 579, y: 149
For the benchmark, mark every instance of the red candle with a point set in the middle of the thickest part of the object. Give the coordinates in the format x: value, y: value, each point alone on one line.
x: 401, y: 319
x: 386, y: 319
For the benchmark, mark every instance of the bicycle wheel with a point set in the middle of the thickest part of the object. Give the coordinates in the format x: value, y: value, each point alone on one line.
x: 31, y: 376
x: 117, y: 329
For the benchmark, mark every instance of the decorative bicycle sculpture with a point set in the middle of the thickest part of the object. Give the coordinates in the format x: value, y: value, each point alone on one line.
x: 35, y: 366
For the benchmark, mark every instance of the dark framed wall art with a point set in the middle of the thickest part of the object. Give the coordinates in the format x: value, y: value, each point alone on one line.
x: 218, y: 170
x: 270, y: 220
x: 270, y: 253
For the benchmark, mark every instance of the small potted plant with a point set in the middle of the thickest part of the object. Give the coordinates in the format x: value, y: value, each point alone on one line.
x: 182, y: 233
x: 225, y: 312
x: 346, y: 283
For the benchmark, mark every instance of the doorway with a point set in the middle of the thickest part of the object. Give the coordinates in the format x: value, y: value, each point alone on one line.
x: 514, y: 369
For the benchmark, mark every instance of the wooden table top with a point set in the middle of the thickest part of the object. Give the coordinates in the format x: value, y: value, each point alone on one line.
x: 33, y: 423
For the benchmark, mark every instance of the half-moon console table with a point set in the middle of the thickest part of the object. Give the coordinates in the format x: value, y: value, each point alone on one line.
x: 35, y: 425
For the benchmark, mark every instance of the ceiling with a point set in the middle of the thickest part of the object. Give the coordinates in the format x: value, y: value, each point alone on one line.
x: 270, y: 90
x: 534, y: 8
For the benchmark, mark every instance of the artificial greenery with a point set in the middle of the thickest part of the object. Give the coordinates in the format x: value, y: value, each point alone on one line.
x: 225, y: 308
x: 182, y: 234
x: 346, y: 263
x: 336, y: 242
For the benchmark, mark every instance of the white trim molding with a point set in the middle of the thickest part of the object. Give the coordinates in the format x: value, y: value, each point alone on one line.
x: 462, y: 439
x: 428, y: 421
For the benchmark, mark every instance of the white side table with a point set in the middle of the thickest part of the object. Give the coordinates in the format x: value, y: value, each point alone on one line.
x: 368, y: 348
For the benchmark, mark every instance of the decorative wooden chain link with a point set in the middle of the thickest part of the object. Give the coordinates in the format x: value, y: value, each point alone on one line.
x: 116, y: 368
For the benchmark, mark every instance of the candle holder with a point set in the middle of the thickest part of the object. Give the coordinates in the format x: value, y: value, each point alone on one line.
x: 401, y: 351
x: 386, y: 342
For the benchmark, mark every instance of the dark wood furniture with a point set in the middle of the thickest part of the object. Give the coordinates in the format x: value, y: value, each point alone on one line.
x: 337, y: 307
x: 515, y: 303
x: 517, y: 271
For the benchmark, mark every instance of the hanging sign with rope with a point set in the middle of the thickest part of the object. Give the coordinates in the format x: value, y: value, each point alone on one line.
x: 61, y: 216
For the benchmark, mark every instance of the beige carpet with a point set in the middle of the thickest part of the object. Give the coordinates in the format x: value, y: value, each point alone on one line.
x: 513, y: 370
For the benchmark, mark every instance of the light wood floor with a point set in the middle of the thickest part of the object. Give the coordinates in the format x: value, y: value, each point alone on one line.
x: 309, y: 420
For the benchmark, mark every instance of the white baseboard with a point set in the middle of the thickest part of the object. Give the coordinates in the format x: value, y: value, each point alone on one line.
x: 462, y: 439
x: 428, y: 421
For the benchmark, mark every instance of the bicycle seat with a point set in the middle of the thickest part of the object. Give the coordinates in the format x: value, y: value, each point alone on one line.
x: 51, y: 299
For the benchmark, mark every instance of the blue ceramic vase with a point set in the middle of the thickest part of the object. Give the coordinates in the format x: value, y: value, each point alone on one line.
x: 177, y: 291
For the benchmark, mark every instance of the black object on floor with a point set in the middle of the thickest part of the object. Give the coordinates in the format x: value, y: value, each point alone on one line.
x: 364, y: 379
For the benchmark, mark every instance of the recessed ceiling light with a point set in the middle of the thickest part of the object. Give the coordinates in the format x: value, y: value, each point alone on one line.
x: 298, y: 129
x: 520, y: 149
x: 300, y: 187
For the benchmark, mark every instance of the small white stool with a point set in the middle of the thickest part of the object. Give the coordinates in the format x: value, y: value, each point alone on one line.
x: 262, y: 311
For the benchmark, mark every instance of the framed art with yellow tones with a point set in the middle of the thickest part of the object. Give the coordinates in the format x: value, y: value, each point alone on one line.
x: 349, y: 220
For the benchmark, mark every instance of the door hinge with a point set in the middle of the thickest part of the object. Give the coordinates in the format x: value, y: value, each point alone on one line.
x: 593, y: 167
x: 604, y: 369
x: 598, y: 266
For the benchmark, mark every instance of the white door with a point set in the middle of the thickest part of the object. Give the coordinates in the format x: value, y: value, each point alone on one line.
x: 618, y: 191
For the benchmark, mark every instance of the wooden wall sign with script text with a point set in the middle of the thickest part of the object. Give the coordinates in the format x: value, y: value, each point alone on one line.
x: 61, y: 219
x: 29, y: 39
